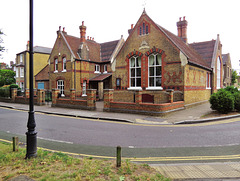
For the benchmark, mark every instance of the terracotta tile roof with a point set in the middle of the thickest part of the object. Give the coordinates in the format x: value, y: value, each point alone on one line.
x: 107, y: 49
x: 205, y: 49
x: 97, y: 52
x: 193, y: 56
x: 101, y: 77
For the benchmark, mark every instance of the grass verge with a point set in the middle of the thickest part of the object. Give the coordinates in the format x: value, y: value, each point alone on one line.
x: 48, y: 166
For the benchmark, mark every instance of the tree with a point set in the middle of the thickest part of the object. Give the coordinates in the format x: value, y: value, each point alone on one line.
x: 234, y: 77
x: 7, y: 77
x: 2, y: 49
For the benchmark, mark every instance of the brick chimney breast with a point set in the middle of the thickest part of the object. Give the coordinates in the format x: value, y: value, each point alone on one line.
x: 82, y: 32
x: 182, y: 29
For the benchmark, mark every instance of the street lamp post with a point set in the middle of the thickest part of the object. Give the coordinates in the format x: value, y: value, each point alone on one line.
x: 31, y: 133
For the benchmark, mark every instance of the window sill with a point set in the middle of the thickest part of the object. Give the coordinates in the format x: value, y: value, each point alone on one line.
x: 64, y: 71
x: 84, y: 95
x: 134, y: 88
x: 55, y: 71
x: 105, y: 72
x: 154, y: 88
x: 208, y: 87
x: 97, y: 72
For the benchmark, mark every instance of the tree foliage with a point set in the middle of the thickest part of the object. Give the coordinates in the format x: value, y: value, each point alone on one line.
x: 7, y: 77
x: 234, y: 76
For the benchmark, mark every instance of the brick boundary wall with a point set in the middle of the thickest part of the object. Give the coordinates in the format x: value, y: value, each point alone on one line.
x: 139, y: 107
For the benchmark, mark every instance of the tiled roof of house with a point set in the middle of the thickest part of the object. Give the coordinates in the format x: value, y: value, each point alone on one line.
x: 107, y: 49
x: 193, y: 55
x: 101, y: 77
x: 224, y: 58
x: 97, y: 52
x: 205, y: 49
x: 43, y: 74
x: 40, y: 49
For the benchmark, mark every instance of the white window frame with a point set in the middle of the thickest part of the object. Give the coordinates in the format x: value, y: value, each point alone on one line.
x: 21, y: 58
x: 84, y: 88
x: 60, y: 86
x: 64, y: 64
x: 55, y: 65
x: 105, y: 69
x: 97, y: 68
x: 21, y: 72
x: 17, y: 75
x: 208, y: 80
x: 135, y: 67
x: 154, y: 66
x: 218, y: 73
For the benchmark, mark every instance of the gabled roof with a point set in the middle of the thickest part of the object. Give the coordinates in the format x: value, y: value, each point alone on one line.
x: 193, y: 56
x: 97, y: 52
x: 205, y: 49
x: 186, y: 49
x: 225, y: 58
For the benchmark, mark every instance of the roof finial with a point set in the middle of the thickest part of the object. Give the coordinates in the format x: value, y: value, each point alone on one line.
x: 144, y: 6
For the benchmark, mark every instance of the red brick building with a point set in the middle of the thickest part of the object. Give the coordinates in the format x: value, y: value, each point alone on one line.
x: 80, y: 63
x: 154, y: 60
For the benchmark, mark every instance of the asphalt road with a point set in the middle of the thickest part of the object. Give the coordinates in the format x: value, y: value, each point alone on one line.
x: 92, y: 132
x: 93, y: 136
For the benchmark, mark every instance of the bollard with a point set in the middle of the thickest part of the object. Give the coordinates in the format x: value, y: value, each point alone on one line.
x: 15, y: 143
x: 118, y: 156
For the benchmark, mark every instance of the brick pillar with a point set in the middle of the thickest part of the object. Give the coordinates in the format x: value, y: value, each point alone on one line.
x: 14, y: 94
x: 138, y: 96
x: 100, y: 90
x: 108, y: 98
x: 40, y: 97
x: 91, y: 99
x: 55, y: 93
x: 72, y: 94
x: 170, y: 91
x: 27, y: 95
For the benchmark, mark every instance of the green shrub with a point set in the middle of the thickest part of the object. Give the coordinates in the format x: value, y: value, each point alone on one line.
x: 13, y: 86
x: 222, y: 101
x: 237, y: 100
x: 4, y: 92
x: 231, y: 89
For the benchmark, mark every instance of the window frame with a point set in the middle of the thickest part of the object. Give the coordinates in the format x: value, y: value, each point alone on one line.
x: 218, y: 73
x: 21, y: 72
x: 64, y: 64
x: 97, y: 68
x: 55, y: 65
x: 155, y: 76
x: 84, y: 88
x: 135, y: 77
x: 60, y: 86
x: 105, y: 69
x: 208, y: 80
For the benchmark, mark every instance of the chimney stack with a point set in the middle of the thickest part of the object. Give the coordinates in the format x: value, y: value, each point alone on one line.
x: 182, y: 29
x: 82, y: 32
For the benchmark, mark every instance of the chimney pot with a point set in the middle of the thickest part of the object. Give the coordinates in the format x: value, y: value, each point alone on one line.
x: 93, y: 38
x: 180, y: 19
x: 63, y: 29
x: 88, y: 37
x: 59, y: 28
x: 183, y: 18
x: 82, y: 23
x: 131, y: 26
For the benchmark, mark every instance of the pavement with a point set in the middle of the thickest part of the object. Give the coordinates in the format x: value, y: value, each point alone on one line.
x: 184, y: 171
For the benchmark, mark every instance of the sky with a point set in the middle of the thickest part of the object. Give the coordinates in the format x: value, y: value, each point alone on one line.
x: 107, y: 20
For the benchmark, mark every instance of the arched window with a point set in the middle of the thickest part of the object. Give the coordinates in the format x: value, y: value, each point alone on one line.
x: 135, y: 72
x: 218, y: 73
x: 155, y: 71
x: 64, y: 64
x: 55, y: 65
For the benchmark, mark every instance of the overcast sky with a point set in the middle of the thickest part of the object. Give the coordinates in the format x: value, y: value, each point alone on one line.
x: 107, y: 20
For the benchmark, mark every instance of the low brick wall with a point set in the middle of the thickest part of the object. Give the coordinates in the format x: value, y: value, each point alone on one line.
x: 145, y: 108
x: 68, y: 103
x: 5, y: 99
x: 24, y: 100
